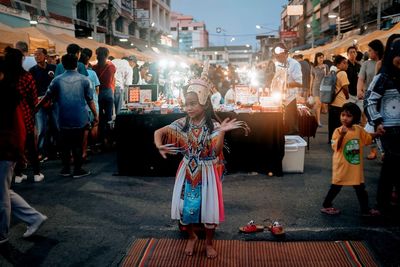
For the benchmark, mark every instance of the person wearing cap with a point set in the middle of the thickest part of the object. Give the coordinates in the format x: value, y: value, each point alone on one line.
x: 53, y: 57
x: 294, y: 75
x: 135, y: 68
x: 292, y: 86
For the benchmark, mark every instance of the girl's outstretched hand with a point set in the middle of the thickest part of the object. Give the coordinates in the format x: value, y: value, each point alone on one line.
x: 228, y: 125
x: 169, y: 149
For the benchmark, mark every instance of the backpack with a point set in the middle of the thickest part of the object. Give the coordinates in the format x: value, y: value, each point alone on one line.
x: 327, y: 88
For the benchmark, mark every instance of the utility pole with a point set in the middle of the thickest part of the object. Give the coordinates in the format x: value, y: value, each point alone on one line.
x: 378, y: 19
x: 110, y: 26
x: 361, y: 24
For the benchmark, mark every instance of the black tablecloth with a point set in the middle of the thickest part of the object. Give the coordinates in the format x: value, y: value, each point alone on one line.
x: 261, y: 151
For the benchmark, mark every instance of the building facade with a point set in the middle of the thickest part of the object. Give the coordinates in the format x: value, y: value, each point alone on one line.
x: 154, y: 19
x: 188, y: 33
x: 120, y: 22
x: 240, y: 55
x: 326, y: 20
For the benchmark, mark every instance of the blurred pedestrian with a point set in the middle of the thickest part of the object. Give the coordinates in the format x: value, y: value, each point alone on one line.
x: 75, y: 50
x: 292, y: 83
x: 26, y: 86
x: 342, y: 95
x: 306, y: 75
x: 12, y: 145
x: 367, y: 73
x: 94, y: 84
x: 72, y: 92
x: 28, y: 61
x: 123, y: 78
x: 46, y: 123
x: 382, y: 107
x: 105, y: 71
x: 318, y: 71
x: 353, y: 68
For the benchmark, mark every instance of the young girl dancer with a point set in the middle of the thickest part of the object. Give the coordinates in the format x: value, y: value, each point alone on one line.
x: 347, y: 143
x: 197, y: 194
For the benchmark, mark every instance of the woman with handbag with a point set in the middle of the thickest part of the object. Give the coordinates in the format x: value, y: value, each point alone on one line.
x: 318, y: 71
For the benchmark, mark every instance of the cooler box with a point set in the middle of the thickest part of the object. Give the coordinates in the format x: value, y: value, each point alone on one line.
x: 293, y: 161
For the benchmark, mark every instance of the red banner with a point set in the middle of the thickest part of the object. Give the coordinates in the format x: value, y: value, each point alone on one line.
x: 288, y: 34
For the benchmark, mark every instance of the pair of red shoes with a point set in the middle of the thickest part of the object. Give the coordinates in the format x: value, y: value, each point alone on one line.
x: 275, y: 228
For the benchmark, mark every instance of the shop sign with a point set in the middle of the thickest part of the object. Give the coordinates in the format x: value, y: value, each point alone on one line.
x: 143, y: 18
x: 288, y: 34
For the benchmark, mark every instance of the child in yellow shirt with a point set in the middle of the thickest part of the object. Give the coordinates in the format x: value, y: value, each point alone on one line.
x: 348, y: 141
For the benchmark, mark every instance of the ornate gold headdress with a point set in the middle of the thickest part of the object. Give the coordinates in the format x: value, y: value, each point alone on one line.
x: 201, y: 86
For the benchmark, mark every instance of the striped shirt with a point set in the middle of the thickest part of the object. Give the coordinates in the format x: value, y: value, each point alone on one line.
x: 382, y: 101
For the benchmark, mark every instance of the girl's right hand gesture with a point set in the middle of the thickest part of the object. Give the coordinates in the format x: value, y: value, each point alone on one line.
x: 168, y: 149
x: 228, y: 125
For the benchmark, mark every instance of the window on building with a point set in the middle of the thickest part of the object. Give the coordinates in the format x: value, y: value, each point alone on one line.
x: 195, y: 28
x: 185, y: 28
x: 82, y: 9
x: 119, y: 24
x: 219, y: 57
x: 132, y: 28
x: 102, y: 18
x: 126, y: 4
x: 173, y: 29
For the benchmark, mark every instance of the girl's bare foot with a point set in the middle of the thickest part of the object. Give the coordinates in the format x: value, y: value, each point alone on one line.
x: 190, y: 246
x: 211, y: 252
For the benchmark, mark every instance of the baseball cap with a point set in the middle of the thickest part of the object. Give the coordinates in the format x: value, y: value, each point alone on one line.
x: 279, y: 49
x: 131, y: 58
x: 52, y: 53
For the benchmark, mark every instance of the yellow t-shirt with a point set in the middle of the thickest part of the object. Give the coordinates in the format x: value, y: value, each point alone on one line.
x: 347, y: 162
x: 341, y: 80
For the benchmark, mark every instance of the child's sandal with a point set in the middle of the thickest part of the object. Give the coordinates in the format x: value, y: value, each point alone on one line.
x: 330, y: 211
x: 251, y: 227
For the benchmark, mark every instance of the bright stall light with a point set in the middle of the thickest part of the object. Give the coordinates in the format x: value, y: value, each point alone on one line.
x: 33, y: 22
x: 254, y: 83
x: 123, y: 40
x: 163, y: 63
x: 155, y: 49
x: 184, y: 65
x: 172, y: 64
x: 277, y: 97
x: 175, y: 93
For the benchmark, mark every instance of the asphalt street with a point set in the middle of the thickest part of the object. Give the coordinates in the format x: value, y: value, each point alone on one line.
x: 93, y: 220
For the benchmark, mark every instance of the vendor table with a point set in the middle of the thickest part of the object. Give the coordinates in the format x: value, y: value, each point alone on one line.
x: 307, y: 127
x: 261, y: 151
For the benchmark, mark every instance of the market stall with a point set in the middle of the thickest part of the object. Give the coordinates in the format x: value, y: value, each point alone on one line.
x: 261, y: 151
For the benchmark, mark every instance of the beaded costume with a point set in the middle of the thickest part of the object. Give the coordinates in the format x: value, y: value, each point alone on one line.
x: 197, y: 195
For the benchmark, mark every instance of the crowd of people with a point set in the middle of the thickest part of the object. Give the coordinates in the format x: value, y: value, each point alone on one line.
x: 64, y: 109
x: 367, y: 87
